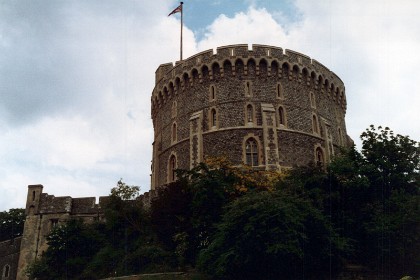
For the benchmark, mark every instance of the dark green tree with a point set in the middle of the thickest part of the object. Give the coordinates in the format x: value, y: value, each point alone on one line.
x: 380, y: 203
x: 70, y: 247
x: 272, y: 235
x: 11, y: 223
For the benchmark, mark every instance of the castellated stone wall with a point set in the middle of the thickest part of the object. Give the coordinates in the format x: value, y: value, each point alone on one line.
x: 264, y: 107
x: 43, y: 213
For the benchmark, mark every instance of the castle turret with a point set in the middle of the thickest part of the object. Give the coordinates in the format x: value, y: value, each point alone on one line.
x: 265, y: 107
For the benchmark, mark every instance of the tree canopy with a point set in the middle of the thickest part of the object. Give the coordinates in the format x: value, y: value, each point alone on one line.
x: 235, y: 222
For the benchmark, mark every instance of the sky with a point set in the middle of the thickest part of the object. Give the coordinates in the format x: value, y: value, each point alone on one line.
x: 76, y: 76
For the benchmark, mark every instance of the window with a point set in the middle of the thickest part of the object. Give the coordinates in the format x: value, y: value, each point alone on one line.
x: 33, y: 195
x: 279, y: 91
x: 248, y: 88
x: 171, y: 169
x: 6, y: 271
x: 251, y: 152
x: 315, y: 124
x: 249, y: 113
x: 174, y: 109
x: 53, y: 223
x: 319, y: 156
x: 312, y: 99
x: 212, y: 93
x: 213, y: 118
x: 174, y: 132
x: 282, y: 117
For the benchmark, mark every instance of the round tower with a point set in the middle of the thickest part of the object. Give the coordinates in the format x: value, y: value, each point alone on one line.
x: 263, y: 107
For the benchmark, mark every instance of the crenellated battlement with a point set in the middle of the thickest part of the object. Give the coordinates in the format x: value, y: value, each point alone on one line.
x: 274, y: 61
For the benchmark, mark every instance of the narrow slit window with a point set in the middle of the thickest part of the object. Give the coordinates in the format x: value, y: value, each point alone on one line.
x: 315, y: 124
x: 319, y: 156
x: 212, y: 93
x: 172, y: 168
x: 174, y: 132
x: 247, y: 89
x: 6, y: 272
x: 250, y: 113
x: 282, y: 120
x: 213, y: 118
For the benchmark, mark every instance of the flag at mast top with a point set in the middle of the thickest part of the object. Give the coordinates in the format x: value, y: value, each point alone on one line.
x: 177, y: 9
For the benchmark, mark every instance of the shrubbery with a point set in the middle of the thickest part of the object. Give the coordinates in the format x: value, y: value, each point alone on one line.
x: 236, y: 222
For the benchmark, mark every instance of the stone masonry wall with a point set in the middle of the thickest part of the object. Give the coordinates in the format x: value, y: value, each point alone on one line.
x: 9, y: 256
x: 43, y: 213
x: 289, y: 93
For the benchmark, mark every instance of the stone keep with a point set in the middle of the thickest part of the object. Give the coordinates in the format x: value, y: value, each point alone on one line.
x: 263, y: 107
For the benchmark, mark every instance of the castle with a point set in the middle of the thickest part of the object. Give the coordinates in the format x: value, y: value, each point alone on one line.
x: 265, y: 107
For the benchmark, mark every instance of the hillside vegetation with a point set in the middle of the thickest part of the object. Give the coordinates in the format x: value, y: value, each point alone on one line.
x: 239, y: 223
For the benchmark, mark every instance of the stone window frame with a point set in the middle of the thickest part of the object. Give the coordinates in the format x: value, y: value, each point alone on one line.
x: 279, y: 91
x: 247, y: 117
x: 281, y: 116
x: 319, y: 155
x: 312, y: 99
x: 174, y: 109
x: 53, y: 223
x: 248, y: 88
x: 212, y: 93
x: 172, y: 166
x: 258, y: 149
x: 174, y: 132
x: 315, y: 124
x: 6, y: 271
x: 213, y: 118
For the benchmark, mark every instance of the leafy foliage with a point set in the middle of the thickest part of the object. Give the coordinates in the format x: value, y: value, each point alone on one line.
x: 270, y: 235
x: 237, y: 222
x: 11, y: 223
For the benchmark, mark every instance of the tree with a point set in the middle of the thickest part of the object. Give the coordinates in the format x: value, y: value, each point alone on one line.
x: 11, y: 223
x: 70, y: 247
x: 272, y: 235
x: 380, y: 202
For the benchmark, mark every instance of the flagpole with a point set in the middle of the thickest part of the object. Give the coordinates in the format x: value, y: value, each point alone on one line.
x: 182, y: 11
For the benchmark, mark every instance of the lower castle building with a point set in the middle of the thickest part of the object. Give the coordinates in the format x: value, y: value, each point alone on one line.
x: 43, y: 213
x: 264, y: 107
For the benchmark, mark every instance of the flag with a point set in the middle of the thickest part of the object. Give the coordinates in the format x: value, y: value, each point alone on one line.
x: 176, y: 10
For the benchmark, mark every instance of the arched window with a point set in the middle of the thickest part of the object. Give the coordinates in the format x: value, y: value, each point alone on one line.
x: 174, y: 132
x: 315, y: 124
x: 213, y: 118
x: 279, y: 91
x: 249, y: 113
x: 171, y: 169
x: 174, y: 109
x: 6, y: 271
x: 312, y: 99
x: 282, y: 116
x: 212, y: 93
x: 186, y: 81
x: 248, y: 88
x: 319, y: 156
x: 251, y: 152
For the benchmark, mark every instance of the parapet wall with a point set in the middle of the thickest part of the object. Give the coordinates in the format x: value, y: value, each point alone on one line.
x: 171, y: 79
x: 45, y: 211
